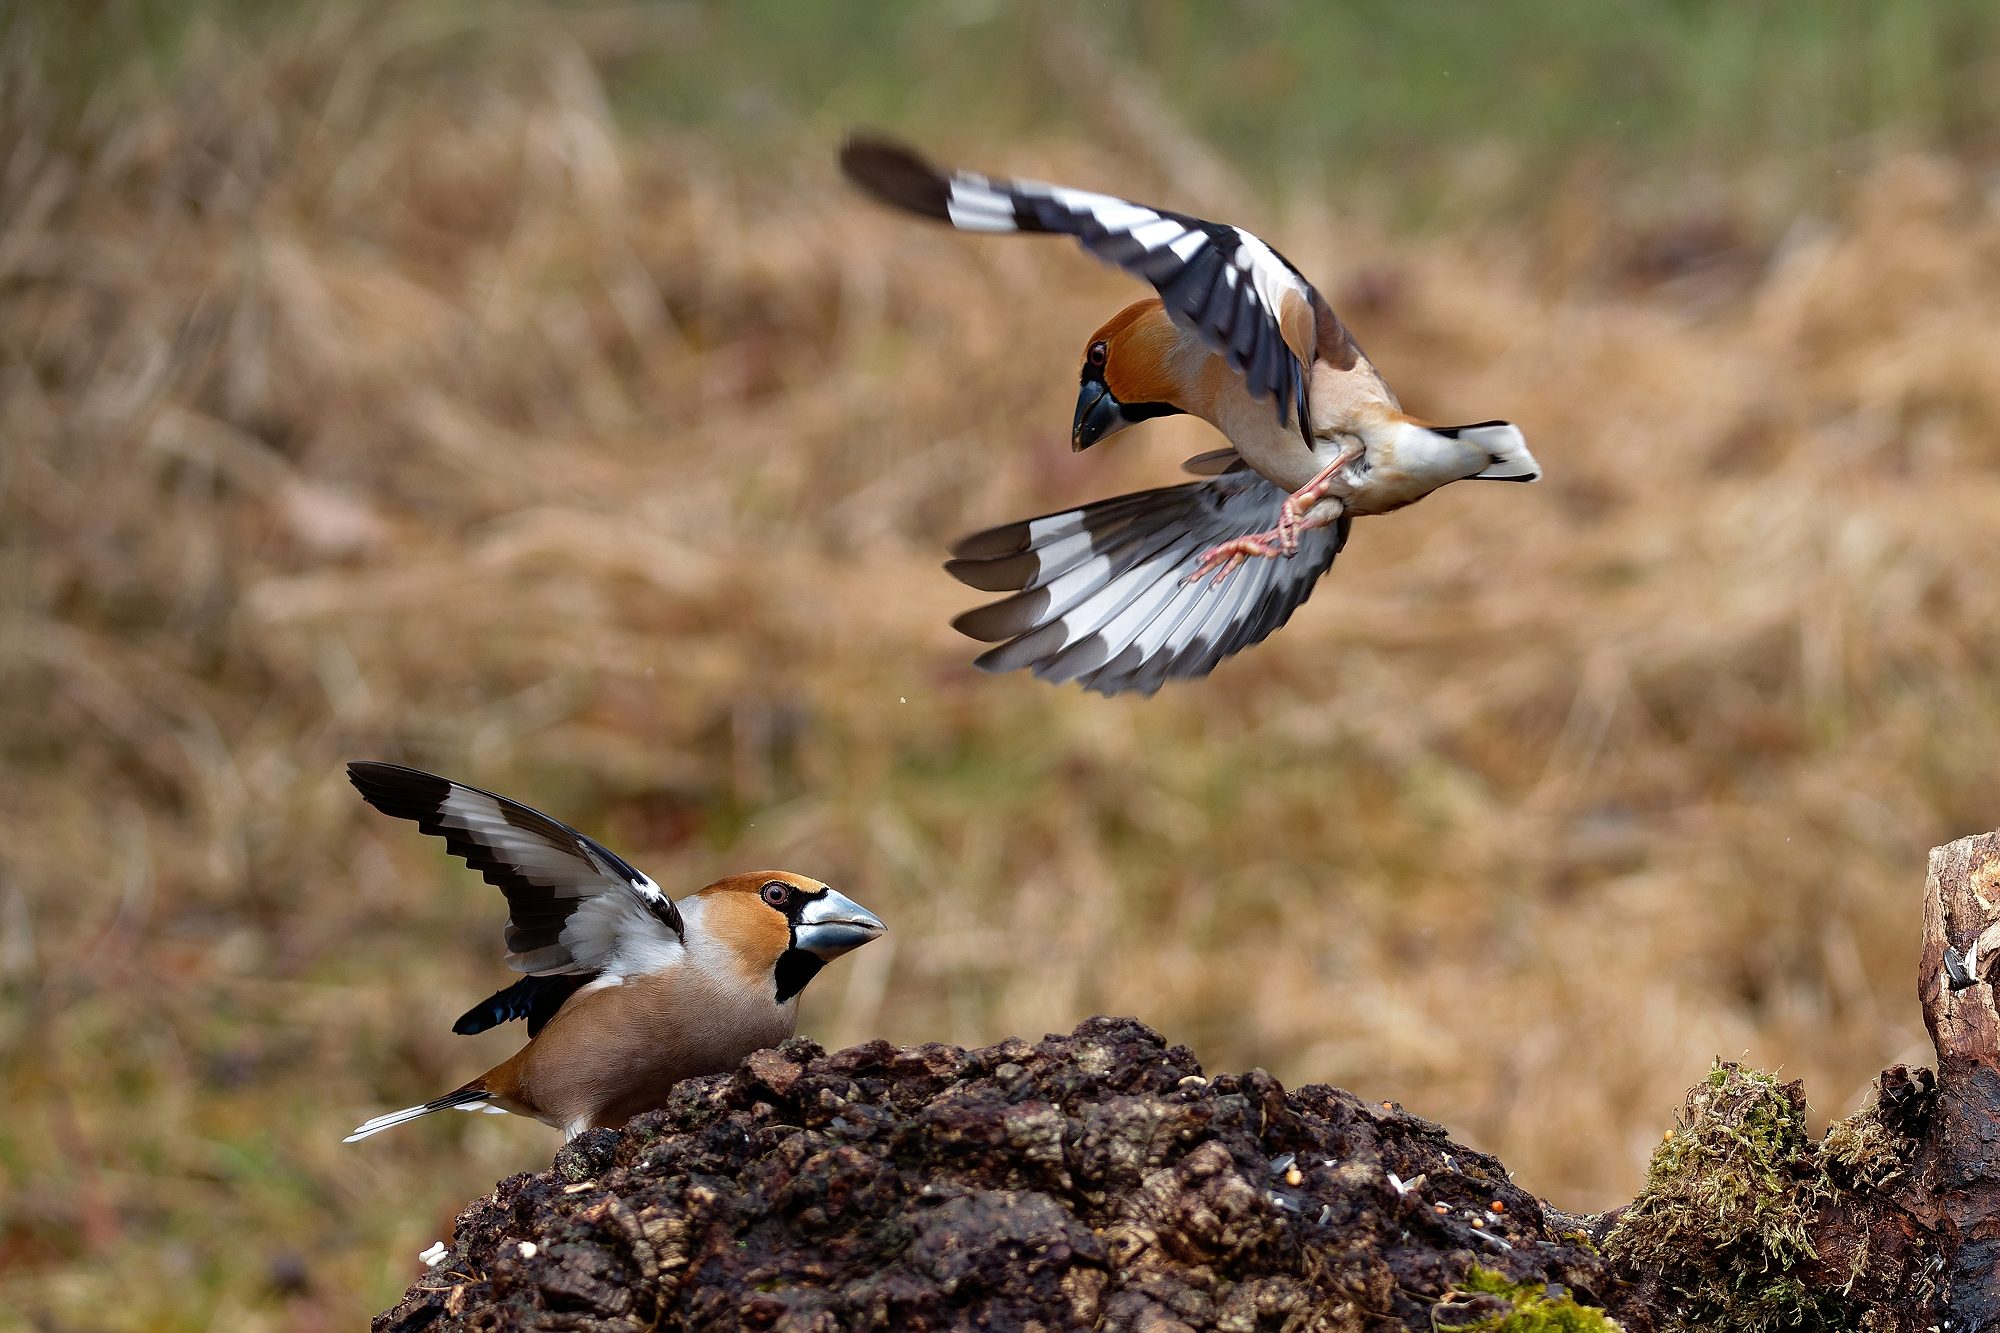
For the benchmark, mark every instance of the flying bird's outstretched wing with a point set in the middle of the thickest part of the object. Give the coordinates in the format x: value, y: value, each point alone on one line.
x: 1245, y: 299
x: 1101, y: 594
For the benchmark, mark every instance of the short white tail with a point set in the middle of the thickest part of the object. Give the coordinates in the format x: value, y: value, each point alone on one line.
x: 465, y: 1099
x: 1504, y: 445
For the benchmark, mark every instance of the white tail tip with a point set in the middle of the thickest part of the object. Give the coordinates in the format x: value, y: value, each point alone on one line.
x: 1505, y: 447
x: 408, y: 1113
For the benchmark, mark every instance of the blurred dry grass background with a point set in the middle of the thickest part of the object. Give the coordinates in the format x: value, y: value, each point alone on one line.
x: 398, y: 387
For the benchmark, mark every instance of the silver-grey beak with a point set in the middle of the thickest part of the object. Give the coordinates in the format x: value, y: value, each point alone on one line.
x: 834, y: 924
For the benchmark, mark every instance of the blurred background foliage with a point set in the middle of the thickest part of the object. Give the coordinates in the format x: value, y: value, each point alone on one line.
x: 1382, y: 91
x: 515, y: 391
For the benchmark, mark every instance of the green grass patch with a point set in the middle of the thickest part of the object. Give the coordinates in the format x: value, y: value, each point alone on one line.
x: 1436, y: 107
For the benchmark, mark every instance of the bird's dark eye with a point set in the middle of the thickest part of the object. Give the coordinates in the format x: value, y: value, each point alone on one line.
x: 1098, y: 353
x: 775, y: 893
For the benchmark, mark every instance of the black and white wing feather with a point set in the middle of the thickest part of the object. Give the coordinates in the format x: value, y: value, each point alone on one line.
x: 574, y: 906
x: 535, y: 998
x: 1246, y: 300
x: 1099, y: 593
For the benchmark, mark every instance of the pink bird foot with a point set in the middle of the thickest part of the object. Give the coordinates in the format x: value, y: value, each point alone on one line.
x: 1224, y: 558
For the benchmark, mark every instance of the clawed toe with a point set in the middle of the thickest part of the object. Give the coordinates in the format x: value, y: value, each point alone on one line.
x: 1226, y: 557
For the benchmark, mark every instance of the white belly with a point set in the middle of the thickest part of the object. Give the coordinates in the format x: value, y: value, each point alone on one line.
x: 1405, y: 463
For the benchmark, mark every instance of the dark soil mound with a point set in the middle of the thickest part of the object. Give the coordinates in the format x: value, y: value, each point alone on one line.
x: 1092, y: 1180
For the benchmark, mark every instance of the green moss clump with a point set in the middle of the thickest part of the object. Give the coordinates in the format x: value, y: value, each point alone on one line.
x: 1724, y: 1214
x: 1863, y: 1153
x: 1530, y: 1308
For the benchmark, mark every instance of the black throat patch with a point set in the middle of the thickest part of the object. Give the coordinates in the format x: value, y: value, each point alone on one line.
x: 795, y: 968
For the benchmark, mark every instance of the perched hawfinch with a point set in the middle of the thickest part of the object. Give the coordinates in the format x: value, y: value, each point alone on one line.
x: 627, y: 992
x: 1113, y: 594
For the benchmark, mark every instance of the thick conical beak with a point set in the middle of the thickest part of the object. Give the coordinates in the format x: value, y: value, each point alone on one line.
x: 834, y: 924
x: 1097, y: 415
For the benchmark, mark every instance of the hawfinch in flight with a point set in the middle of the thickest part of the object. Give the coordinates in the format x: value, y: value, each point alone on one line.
x: 1113, y: 594
x: 627, y: 992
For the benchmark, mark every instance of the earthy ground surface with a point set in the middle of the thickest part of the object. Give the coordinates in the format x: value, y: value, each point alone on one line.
x: 1099, y: 1180
x: 1090, y: 1180
x: 527, y: 400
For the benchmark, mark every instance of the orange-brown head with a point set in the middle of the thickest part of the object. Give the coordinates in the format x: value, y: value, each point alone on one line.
x: 1139, y: 365
x: 781, y: 925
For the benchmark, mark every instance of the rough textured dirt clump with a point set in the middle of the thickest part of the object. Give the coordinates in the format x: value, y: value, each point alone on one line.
x: 1090, y: 1180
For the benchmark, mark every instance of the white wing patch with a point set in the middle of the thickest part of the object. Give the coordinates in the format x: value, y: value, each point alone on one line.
x: 646, y: 889
x: 976, y: 206
x: 616, y: 936
x: 1270, y: 276
x: 1162, y: 234
x: 1109, y: 211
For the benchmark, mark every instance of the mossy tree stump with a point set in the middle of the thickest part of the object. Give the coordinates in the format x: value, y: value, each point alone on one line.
x: 1099, y: 1180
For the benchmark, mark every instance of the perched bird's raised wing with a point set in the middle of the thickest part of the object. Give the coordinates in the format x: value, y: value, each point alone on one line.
x: 574, y: 906
x: 1100, y: 594
x: 1245, y: 299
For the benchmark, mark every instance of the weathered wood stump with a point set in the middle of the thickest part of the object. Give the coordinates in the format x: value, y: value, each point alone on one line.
x: 1099, y: 1180
x: 1959, y: 1165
